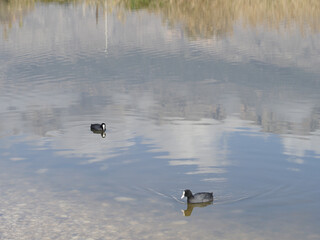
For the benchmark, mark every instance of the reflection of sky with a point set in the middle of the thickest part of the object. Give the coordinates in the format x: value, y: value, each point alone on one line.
x: 177, y: 113
x: 301, y: 146
x: 37, y: 53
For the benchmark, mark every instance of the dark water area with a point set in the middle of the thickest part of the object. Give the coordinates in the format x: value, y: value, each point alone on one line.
x: 217, y: 96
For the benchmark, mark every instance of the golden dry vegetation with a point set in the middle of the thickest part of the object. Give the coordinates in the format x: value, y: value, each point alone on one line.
x: 199, y: 18
x: 207, y: 18
x: 13, y: 11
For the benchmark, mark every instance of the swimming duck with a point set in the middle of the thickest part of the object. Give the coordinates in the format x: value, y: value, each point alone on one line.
x: 98, y: 128
x: 201, y: 197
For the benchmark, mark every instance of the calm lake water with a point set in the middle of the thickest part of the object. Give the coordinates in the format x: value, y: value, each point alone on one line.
x: 219, y: 96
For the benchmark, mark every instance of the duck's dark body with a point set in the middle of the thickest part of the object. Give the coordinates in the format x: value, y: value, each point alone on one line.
x: 98, y: 128
x: 201, y: 197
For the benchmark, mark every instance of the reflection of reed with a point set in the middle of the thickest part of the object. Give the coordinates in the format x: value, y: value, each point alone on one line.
x: 200, y: 18
x: 207, y: 18
x: 12, y: 11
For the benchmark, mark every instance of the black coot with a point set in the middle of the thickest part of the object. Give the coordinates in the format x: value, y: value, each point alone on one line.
x: 98, y: 128
x: 201, y: 197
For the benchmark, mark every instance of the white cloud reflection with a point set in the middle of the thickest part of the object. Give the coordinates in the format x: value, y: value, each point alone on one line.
x: 301, y: 146
x: 50, y: 109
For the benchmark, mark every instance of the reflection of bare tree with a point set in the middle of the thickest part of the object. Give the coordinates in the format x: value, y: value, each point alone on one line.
x: 281, y: 116
x: 207, y: 18
x: 193, y: 102
x: 12, y: 12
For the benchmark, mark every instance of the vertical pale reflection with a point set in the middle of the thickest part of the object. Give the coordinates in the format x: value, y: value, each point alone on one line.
x: 106, y: 25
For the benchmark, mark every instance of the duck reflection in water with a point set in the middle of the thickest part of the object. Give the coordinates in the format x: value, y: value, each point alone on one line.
x: 190, y: 207
x: 99, y: 129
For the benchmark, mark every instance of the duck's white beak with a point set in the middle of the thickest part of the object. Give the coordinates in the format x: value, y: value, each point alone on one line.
x: 182, y: 195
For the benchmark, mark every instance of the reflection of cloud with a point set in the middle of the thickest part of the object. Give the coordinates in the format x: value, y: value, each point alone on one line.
x: 17, y: 158
x: 182, y: 109
x: 214, y: 179
x: 42, y: 171
x: 199, y: 143
x: 203, y: 143
x: 294, y: 169
x: 298, y: 147
x: 124, y: 199
x: 186, y: 142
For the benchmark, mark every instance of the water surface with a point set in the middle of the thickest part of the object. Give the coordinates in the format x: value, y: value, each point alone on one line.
x: 207, y: 96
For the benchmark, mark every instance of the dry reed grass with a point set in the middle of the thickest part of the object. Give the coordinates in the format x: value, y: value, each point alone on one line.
x: 199, y: 18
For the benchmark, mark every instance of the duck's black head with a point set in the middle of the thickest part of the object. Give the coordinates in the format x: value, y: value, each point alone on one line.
x: 186, y: 193
x: 103, y: 126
